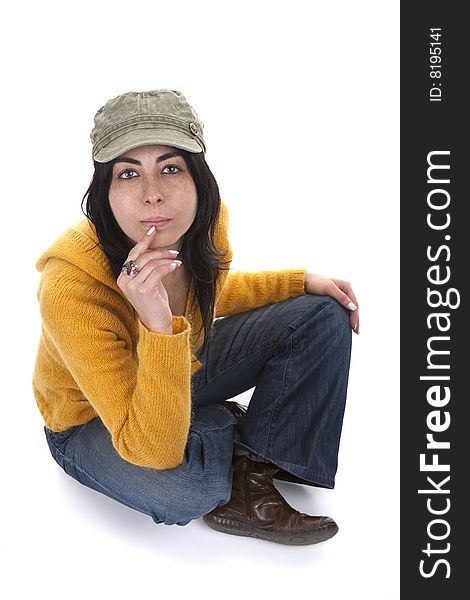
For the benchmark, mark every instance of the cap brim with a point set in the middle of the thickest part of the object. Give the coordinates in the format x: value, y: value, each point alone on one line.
x: 146, y: 137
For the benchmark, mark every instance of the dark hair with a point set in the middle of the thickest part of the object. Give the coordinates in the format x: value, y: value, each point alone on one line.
x: 202, y: 261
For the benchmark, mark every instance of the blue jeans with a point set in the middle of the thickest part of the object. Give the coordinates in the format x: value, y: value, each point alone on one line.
x: 295, y: 354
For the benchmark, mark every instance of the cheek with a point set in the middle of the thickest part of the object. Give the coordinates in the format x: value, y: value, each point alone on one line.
x: 120, y: 208
x: 187, y: 201
x: 120, y: 198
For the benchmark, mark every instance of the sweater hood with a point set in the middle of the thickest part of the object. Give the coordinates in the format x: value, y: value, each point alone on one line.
x: 79, y: 245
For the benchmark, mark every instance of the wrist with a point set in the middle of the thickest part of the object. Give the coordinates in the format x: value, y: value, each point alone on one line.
x: 159, y: 328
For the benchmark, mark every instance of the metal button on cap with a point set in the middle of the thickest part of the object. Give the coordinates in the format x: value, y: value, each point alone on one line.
x: 193, y: 128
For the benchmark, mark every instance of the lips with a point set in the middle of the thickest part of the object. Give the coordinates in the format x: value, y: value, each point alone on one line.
x: 155, y: 220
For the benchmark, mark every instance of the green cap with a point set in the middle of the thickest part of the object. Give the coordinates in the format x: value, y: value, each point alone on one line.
x: 135, y: 119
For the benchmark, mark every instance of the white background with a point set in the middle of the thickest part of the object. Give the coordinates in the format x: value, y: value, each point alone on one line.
x: 300, y: 105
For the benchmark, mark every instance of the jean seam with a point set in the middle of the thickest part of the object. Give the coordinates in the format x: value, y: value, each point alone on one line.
x: 329, y: 478
x: 240, y: 361
x: 293, y: 326
x: 73, y: 464
x: 270, y: 426
x: 50, y: 435
x: 111, y: 494
x: 95, y: 481
x: 206, y: 430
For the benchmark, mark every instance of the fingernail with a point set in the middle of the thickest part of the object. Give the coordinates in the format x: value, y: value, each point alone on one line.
x: 151, y: 230
x: 175, y: 252
x: 176, y: 263
x: 352, y: 306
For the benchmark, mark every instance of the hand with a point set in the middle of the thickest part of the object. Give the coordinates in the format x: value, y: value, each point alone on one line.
x: 145, y: 290
x: 339, y: 290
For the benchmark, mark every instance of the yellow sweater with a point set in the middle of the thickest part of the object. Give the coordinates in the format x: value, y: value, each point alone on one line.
x: 96, y: 358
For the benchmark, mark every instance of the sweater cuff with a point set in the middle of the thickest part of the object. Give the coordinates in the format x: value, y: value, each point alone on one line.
x: 297, y: 282
x: 179, y: 324
x: 163, y: 348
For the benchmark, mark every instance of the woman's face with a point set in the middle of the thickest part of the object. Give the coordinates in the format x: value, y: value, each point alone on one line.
x: 150, y: 183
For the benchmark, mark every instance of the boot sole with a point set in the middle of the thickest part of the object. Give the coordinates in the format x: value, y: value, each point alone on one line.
x: 293, y: 538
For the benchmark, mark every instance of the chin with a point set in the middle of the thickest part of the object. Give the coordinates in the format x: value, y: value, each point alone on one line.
x: 164, y: 242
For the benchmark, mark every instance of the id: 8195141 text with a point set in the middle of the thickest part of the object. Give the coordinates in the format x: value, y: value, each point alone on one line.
x: 435, y: 64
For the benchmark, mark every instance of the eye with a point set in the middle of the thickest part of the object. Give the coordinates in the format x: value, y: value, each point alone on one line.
x: 128, y: 174
x: 171, y: 169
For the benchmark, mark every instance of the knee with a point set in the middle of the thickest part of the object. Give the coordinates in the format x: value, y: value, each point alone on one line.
x: 328, y: 317
x: 204, y: 480
x: 336, y: 315
x: 189, y: 500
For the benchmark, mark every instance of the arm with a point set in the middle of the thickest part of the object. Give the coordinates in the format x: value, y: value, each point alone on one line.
x: 248, y: 290
x: 140, y: 389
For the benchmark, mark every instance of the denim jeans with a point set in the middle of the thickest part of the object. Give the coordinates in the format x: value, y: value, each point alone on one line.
x: 296, y: 355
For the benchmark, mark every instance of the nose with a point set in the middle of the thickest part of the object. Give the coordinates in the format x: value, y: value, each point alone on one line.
x: 152, y: 191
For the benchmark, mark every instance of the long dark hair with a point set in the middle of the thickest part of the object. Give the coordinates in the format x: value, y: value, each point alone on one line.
x: 202, y: 261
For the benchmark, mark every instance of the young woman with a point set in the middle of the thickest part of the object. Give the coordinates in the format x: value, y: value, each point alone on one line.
x: 135, y: 366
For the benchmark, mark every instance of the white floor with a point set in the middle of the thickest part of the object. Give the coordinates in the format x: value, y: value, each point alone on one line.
x: 61, y: 537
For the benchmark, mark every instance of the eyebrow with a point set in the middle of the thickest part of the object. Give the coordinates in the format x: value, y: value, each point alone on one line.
x: 160, y: 159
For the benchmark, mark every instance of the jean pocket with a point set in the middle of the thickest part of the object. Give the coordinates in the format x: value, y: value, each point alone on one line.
x: 57, y: 442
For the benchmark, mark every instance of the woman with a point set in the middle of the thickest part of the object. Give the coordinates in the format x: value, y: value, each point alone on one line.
x: 135, y: 368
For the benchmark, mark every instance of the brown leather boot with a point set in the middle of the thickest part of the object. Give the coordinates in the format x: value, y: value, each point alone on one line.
x: 235, y: 408
x: 257, y: 509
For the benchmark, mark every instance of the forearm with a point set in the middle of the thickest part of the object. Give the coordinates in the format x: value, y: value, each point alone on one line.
x: 154, y: 430
x: 246, y: 290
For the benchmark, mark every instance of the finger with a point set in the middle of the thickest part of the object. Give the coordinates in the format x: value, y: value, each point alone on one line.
x: 354, y: 315
x: 348, y: 299
x: 155, y: 276
x: 160, y: 266
x: 154, y: 254
x: 353, y: 297
x: 143, y: 244
x: 342, y: 297
x: 354, y: 321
